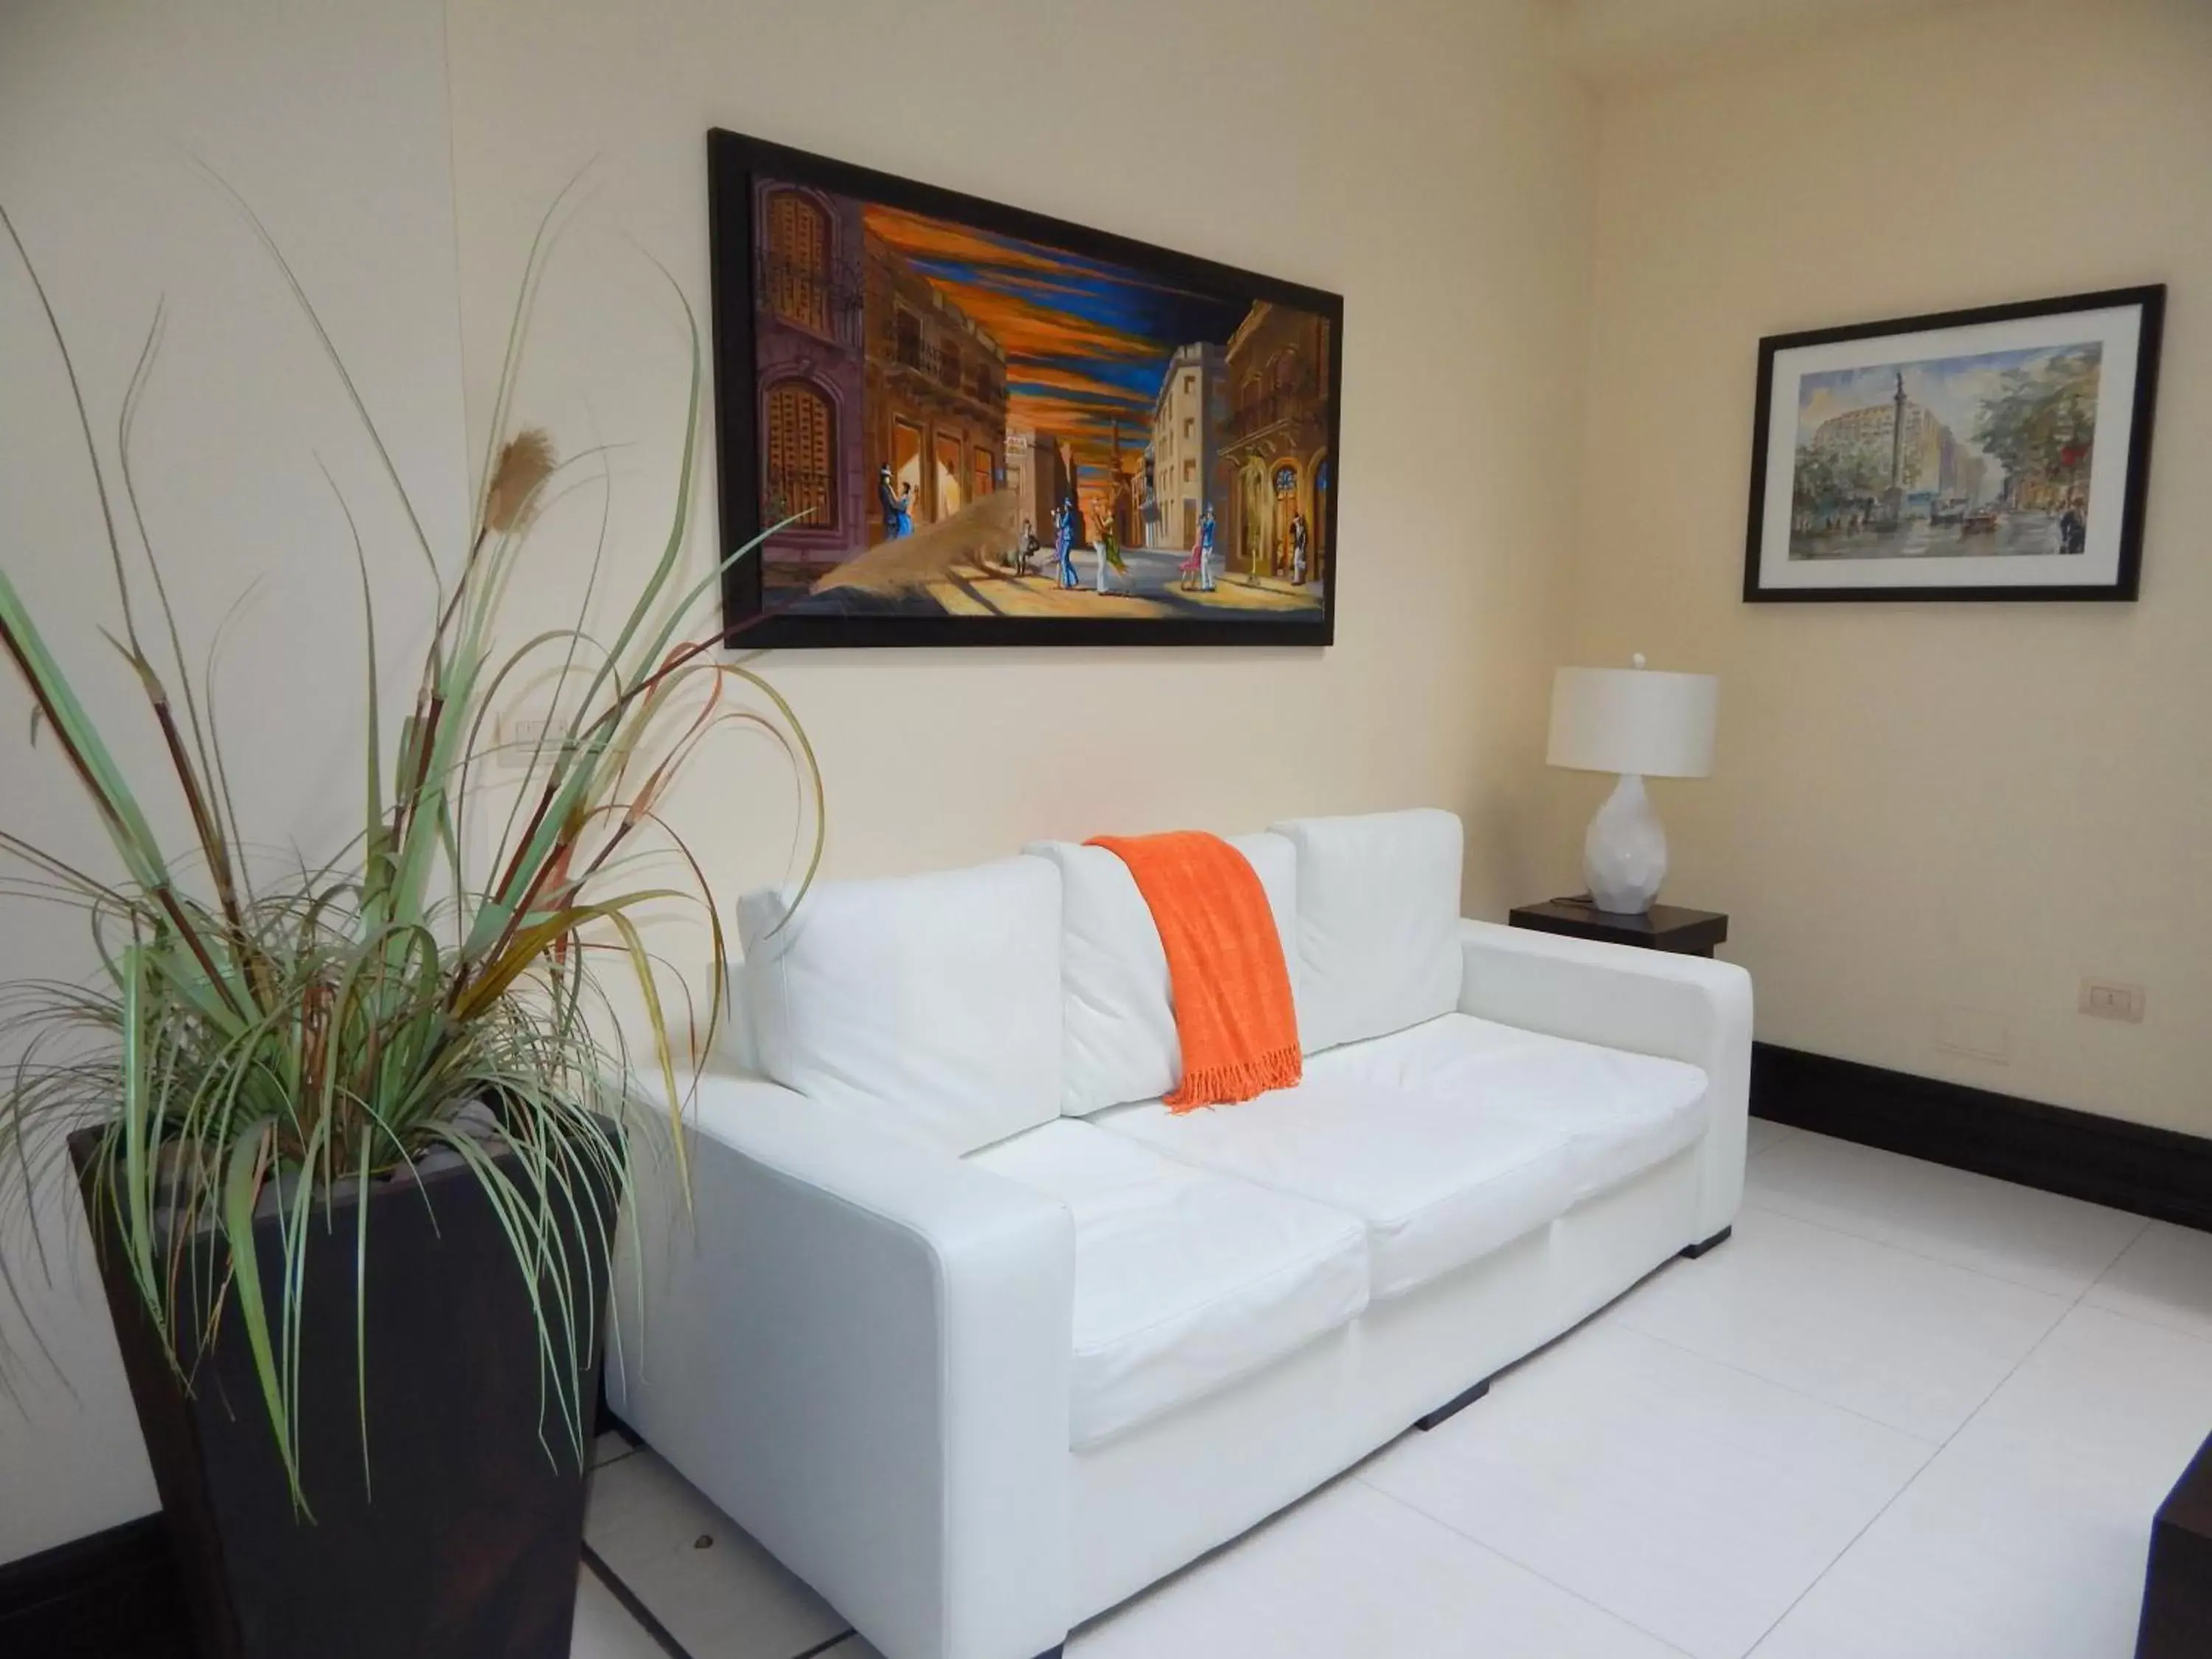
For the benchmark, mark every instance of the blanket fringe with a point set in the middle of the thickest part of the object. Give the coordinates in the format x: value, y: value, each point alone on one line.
x: 1226, y: 1085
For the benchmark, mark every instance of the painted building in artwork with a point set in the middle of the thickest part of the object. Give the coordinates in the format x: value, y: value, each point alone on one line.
x: 1180, y: 460
x: 1148, y: 518
x: 811, y: 353
x: 1118, y: 489
x: 1274, y: 466
x: 1037, y: 473
x: 936, y: 386
x: 1872, y: 450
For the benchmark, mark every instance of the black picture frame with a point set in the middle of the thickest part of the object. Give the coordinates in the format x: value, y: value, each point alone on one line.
x: 2149, y: 299
x: 734, y: 161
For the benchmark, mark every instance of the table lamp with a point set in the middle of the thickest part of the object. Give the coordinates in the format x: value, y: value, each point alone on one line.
x: 1641, y: 724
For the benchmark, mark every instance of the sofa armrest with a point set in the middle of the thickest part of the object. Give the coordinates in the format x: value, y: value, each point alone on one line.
x: 1649, y: 1002
x: 857, y: 1346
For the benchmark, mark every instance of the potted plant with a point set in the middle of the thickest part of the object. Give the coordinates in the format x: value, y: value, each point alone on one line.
x: 349, y: 1138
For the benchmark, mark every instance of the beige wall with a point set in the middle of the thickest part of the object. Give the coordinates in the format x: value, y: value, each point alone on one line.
x: 1921, y: 805
x: 1427, y: 159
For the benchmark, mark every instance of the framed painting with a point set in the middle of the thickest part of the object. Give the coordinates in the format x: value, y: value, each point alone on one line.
x: 2002, y: 453
x: 961, y: 423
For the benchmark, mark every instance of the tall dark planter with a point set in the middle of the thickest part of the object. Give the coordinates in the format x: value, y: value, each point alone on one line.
x: 466, y: 1543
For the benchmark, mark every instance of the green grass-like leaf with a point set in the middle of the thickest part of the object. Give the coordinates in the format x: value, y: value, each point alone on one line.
x: 259, y: 1051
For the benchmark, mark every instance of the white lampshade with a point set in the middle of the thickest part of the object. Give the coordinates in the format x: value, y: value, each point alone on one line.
x: 1633, y: 720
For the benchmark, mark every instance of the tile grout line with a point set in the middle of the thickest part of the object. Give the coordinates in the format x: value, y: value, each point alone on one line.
x: 1851, y: 1543
x: 1750, y: 1202
x: 1787, y: 1132
x: 649, y: 1622
x: 1790, y: 1389
x: 2034, y: 1348
x: 2197, y: 1333
x: 1542, y: 1578
x: 1932, y: 1447
x: 1936, y: 1449
x: 2134, y: 1239
x: 2194, y: 1334
x: 634, y: 1605
x: 2143, y: 1222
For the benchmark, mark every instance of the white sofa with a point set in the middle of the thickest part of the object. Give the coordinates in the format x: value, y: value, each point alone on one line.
x: 980, y: 1340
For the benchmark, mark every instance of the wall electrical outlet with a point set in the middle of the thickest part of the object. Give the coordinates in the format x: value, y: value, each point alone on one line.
x: 2105, y: 998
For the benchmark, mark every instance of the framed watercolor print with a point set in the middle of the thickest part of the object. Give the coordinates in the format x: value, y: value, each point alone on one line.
x: 963, y: 423
x: 2001, y: 453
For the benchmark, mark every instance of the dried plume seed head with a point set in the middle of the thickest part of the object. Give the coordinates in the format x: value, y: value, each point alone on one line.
x: 524, y: 465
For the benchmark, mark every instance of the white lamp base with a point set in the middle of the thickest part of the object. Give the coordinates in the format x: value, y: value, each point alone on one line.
x: 1624, y: 853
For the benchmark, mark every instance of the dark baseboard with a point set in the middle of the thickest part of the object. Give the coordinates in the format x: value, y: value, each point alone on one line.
x: 2129, y: 1166
x: 112, y: 1595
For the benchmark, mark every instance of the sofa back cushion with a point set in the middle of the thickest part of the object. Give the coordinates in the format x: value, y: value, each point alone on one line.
x: 929, y: 1004
x: 1378, y: 922
x: 735, y: 1049
x: 1119, y: 1018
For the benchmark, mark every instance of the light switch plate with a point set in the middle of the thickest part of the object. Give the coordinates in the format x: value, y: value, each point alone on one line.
x: 519, y: 738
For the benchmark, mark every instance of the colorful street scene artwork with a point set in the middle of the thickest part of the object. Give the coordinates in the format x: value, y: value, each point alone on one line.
x: 957, y: 422
x: 1953, y: 456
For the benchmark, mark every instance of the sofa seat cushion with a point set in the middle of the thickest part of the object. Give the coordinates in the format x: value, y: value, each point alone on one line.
x: 1438, y: 1182
x: 1621, y: 1112
x: 1185, y: 1280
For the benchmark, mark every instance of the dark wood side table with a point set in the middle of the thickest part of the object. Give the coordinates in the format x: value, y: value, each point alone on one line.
x: 1662, y: 927
x: 2177, y: 1610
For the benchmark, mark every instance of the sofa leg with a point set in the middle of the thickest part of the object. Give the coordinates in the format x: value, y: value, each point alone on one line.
x: 1457, y: 1403
x: 1692, y: 1252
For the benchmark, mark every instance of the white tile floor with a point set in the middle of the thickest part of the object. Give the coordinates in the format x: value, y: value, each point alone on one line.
x: 1905, y: 1414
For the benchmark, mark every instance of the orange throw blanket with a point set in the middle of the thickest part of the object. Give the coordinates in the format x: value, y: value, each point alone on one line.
x: 1233, y: 1013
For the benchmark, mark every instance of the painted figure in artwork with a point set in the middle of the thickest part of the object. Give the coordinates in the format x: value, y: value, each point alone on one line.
x: 1299, y: 550
x: 1109, y: 557
x: 1063, y: 520
x: 1205, y: 550
x: 898, y: 505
